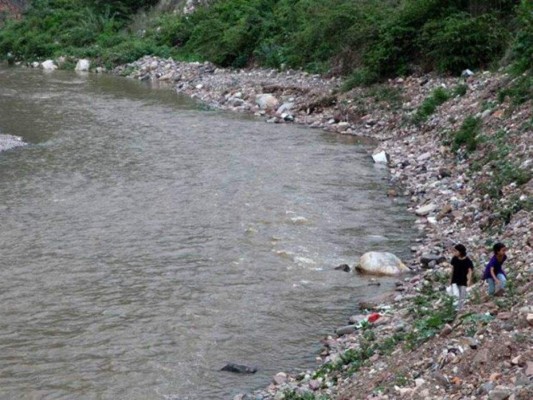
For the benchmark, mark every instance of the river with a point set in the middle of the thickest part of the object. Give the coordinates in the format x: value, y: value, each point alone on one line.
x: 145, y: 241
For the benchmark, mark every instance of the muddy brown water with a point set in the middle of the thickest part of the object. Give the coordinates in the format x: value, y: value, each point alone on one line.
x: 145, y: 241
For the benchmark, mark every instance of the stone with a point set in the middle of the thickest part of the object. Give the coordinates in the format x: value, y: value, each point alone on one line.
x: 499, y: 394
x: 83, y: 65
x: 48, y: 65
x: 495, y: 376
x: 486, y: 388
x: 518, y: 360
x: 266, y: 101
x: 424, y: 157
x: 239, y: 369
x: 343, y: 267
x: 529, y: 319
x: 504, y: 315
x: 445, y: 172
x: 529, y: 368
x: 285, y: 107
x: 346, y: 330
x: 381, y: 158
x: 427, y: 258
x: 425, y: 210
x: 472, y: 343
x: 381, y: 263
x: 446, y: 330
x: 314, y: 384
x: 482, y: 357
x: 280, y: 378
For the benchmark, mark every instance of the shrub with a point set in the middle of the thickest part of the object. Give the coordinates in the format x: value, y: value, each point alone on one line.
x: 467, y: 134
x: 430, y: 104
x: 522, y: 46
x: 460, y: 90
x: 460, y: 41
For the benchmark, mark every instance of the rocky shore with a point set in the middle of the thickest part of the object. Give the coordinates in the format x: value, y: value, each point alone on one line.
x: 466, y: 164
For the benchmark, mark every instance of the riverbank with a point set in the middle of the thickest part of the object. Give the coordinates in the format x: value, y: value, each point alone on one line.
x: 462, y: 151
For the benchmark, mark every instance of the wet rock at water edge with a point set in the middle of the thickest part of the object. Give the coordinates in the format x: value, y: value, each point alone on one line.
x: 380, y: 263
x: 83, y: 65
x: 343, y: 267
x: 428, y: 259
x: 381, y: 158
x: 239, y: 369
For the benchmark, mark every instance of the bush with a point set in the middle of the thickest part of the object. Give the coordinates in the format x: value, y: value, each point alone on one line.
x: 522, y: 46
x: 429, y: 105
x: 460, y: 41
x: 467, y: 134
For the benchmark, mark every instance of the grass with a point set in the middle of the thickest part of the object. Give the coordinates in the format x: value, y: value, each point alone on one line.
x: 467, y: 135
x: 430, y: 104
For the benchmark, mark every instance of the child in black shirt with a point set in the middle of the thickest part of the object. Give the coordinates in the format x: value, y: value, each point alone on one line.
x: 462, y: 272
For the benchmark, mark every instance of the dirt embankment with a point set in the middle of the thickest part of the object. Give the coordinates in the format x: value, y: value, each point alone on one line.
x: 462, y: 152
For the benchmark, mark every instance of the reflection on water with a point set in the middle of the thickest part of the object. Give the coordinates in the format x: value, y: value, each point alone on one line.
x: 145, y: 242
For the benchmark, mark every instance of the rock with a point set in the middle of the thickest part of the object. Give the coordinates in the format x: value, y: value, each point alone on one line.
x: 314, y: 384
x: 428, y: 258
x: 446, y: 330
x: 48, y: 65
x: 499, y: 394
x: 346, y: 330
x: 284, y: 108
x: 83, y: 65
x: 424, y: 157
x: 381, y: 263
x: 518, y: 360
x: 343, y: 267
x: 239, y: 369
x: 287, y: 117
x: 472, y: 343
x: 266, y: 101
x: 445, y: 172
x: 425, y: 210
x: 482, y: 357
x: 529, y: 319
x: 504, y: 316
x: 280, y: 378
x: 381, y: 158
x: 529, y: 368
x: 486, y: 388
x: 466, y: 73
x: 495, y: 377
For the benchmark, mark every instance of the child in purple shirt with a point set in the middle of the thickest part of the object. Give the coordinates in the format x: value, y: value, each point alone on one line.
x: 494, y: 273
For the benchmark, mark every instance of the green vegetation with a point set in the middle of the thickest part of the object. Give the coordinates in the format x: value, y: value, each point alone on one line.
x: 433, y: 311
x: 473, y: 322
x: 429, y: 105
x: 468, y: 134
x: 291, y: 395
x: 504, y: 169
x: 367, y: 40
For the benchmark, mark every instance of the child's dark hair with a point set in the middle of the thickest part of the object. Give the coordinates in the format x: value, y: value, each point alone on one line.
x: 461, y: 249
x: 497, y: 247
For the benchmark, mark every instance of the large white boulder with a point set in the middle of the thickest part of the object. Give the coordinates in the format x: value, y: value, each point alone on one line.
x: 83, y: 65
x: 380, y: 263
x: 266, y: 101
x: 48, y: 65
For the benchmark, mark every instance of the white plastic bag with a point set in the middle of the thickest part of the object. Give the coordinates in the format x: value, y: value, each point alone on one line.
x: 453, y: 290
